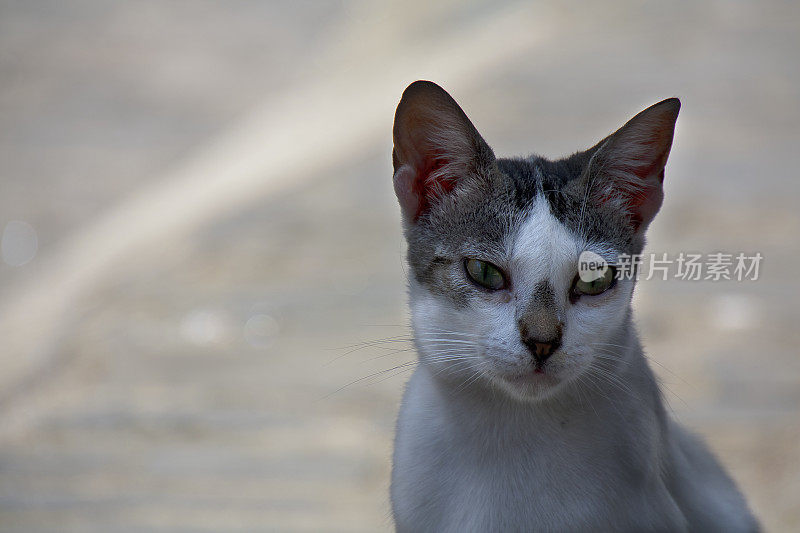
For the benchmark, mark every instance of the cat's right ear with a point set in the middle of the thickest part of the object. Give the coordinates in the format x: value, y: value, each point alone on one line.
x: 435, y: 145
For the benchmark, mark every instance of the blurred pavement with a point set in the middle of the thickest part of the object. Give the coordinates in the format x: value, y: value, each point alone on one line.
x: 209, y: 184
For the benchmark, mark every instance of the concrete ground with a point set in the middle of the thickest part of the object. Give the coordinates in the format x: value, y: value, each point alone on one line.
x: 186, y: 341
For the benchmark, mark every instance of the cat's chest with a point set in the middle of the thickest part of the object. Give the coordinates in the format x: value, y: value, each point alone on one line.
x: 505, y: 486
x: 504, y: 474
x: 538, y: 464
x: 466, y: 485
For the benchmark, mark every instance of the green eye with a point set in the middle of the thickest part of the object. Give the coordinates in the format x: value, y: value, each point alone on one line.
x: 597, y: 286
x: 485, y: 274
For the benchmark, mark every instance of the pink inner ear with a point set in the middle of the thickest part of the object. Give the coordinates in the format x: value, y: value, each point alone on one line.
x: 416, y: 188
x: 643, y: 199
x: 636, y: 178
x: 406, y: 191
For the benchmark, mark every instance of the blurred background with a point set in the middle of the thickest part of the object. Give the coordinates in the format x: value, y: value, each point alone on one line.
x: 200, y: 243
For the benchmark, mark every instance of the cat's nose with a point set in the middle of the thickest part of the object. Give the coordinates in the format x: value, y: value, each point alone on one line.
x: 540, y: 349
x: 540, y: 329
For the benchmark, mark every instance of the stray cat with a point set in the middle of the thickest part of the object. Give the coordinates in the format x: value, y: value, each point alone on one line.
x: 533, y: 407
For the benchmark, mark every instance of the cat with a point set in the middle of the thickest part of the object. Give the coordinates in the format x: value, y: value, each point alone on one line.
x: 533, y: 407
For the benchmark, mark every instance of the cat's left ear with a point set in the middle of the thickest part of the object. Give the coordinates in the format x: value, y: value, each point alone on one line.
x: 626, y: 170
x: 435, y: 146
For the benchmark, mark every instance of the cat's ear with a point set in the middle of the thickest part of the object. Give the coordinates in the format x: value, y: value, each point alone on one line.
x: 626, y: 170
x: 435, y: 145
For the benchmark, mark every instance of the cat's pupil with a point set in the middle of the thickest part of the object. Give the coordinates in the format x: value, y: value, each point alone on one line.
x: 484, y: 274
x: 596, y: 286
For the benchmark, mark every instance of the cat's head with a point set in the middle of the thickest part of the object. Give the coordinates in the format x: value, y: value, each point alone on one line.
x: 494, y: 244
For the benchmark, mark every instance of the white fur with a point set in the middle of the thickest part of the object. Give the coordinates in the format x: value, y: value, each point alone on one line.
x: 483, y: 444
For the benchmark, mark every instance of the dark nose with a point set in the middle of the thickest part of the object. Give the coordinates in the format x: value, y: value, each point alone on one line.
x: 541, y: 349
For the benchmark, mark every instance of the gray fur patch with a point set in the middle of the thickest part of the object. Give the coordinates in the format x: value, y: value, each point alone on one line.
x: 483, y: 211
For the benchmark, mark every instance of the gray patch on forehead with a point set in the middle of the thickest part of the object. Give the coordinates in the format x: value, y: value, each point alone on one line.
x: 478, y: 216
x: 559, y: 182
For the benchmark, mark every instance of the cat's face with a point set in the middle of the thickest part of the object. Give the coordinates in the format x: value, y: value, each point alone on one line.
x: 467, y: 331
x: 494, y: 245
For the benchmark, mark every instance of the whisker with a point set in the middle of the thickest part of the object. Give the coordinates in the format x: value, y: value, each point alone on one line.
x: 470, y: 380
x: 408, y: 363
x: 379, y: 343
x: 394, y: 352
x: 434, y: 328
x: 610, y: 378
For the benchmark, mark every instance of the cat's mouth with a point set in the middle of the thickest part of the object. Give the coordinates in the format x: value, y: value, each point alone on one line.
x: 537, y: 375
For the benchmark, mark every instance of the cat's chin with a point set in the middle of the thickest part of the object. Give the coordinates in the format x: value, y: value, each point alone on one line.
x: 529, y: 385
